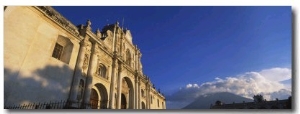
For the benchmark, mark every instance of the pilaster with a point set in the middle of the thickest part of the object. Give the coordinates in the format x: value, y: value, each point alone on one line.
x: 78, y: 74
x: 119, y: 82
x: 91, y: 71
x: 112, y: 82
x: 136, y: 91
x: 139, y: 93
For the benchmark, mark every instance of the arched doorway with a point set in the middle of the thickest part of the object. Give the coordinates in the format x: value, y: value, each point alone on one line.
x: 127, y: 93
x: 123, y: 101
x: 99, y: 97
x: 143, y: 105
x: 94, y: 99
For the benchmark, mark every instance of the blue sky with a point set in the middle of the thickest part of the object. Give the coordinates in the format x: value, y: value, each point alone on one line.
x: 187, y: 45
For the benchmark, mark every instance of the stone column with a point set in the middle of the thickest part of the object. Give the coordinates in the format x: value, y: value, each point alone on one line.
x: 136, y: 92
x: 121, y: 45
x: 91, y: 70
x: 119, y: 83
x: 136, y: 59
x: 138, y: 62
x: 139, y: 93
x: 147, y: 96
x: 112, y: 83
x: 78, y: 70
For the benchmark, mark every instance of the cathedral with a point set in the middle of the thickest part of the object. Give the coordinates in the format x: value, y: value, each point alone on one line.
x: 48, y: 59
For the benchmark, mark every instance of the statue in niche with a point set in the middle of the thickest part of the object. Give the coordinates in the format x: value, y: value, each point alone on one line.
x: 85, y: 61
x: 98, y: 69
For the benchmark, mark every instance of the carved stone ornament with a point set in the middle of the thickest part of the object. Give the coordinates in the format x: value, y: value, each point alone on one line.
x: 87, y: 46
x: 96, y: 51
x: 85, y: 61
x: 57, y: 17
x: 98, y: 69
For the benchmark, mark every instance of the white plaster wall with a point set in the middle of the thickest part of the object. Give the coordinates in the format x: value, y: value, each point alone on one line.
x: 31, y: 74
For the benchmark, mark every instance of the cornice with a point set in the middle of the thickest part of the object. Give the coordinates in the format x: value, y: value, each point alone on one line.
x: 60, y: 20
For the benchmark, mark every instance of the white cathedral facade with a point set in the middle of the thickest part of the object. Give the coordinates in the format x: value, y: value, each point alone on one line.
x: 47, y: 58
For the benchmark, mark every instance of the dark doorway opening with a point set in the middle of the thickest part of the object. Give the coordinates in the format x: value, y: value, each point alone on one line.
x: 123, y: 101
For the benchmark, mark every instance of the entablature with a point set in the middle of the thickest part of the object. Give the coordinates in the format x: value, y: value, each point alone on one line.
x: 60, y: 20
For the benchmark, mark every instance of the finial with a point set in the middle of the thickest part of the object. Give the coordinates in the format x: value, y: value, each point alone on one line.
x: 117, y: 23
x: 88, y: 23
x: 123, y: 23
x: 98, y: 31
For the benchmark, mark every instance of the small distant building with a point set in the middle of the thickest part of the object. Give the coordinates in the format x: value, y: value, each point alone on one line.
x: 259, y: 103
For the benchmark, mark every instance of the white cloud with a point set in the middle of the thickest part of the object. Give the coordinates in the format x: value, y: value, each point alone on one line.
x: 266, y: 82
x: 192, y: 86
x: 189, y: 86
x: 276, y: 74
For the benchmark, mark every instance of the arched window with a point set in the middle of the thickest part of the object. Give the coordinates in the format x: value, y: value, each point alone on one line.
x: 157, y: 102
x: 80, y: 90
x: 101, y: 71
x: 151, y: 99
x: 128, y: 57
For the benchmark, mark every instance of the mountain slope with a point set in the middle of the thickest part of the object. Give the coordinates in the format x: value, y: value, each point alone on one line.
x: 204, y: 101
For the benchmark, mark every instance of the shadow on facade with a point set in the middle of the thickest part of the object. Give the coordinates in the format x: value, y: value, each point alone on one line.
x: 51, y: 83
